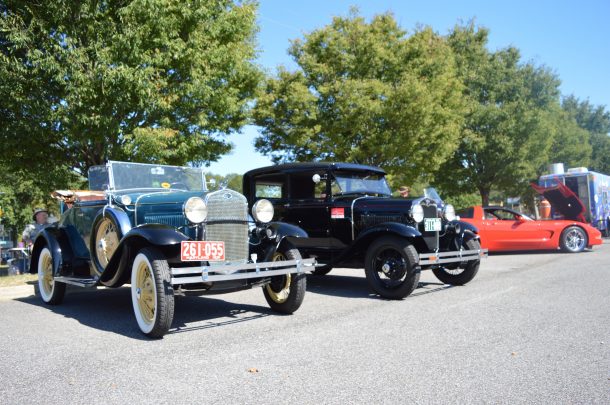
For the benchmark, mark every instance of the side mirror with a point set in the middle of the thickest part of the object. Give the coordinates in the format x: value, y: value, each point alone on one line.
x: 520, y: 219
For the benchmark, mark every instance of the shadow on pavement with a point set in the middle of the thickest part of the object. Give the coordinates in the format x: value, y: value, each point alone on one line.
x: 111, y: 310
x: 358, y: 287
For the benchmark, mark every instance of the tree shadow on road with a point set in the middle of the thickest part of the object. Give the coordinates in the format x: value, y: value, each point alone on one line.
x: 111, y: 310
x: 358, y: 287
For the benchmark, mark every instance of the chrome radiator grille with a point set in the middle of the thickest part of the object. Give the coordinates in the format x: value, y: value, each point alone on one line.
x: 228, y: 221
x: 431, y: 238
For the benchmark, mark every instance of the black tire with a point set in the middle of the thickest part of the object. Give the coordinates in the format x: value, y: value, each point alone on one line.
x: 51, y: 292
x: 152, y: 294
x: 573, y: 239
x: 105, y: 240
x: 463, y: 274
x: 391, y: 267
x: 285, y: 293
x: 321, y: 271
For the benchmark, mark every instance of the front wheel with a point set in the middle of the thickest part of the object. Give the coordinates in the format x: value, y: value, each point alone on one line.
x: 391, y: 267
x: 460, y: 275
x: 52, y: 292
x: 152, y: 294
x: 573, y: 240
x: 285, y: 293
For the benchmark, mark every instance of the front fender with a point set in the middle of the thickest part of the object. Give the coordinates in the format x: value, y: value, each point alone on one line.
x: 49, y: 237
x: 280, y: 234
x: 396, y: 228
x: 465, y: 226
x: 163, y: 236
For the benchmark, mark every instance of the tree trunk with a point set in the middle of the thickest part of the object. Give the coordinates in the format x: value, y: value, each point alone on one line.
x: 484, y: 191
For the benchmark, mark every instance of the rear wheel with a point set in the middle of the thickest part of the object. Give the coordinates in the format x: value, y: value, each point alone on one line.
x: 152, y: 294
x: 573, y: 239
x: 285, y: 293
x: 51, y: 291
x: 391, y: 267
x: 460, y: 275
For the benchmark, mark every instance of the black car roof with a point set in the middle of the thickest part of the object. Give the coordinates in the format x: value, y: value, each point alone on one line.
x: 306, y: 166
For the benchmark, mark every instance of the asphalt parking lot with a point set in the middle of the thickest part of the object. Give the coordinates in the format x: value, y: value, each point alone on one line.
x: 530, y: 328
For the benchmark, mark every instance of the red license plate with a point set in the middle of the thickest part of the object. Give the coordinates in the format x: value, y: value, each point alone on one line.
x: 202, y: 250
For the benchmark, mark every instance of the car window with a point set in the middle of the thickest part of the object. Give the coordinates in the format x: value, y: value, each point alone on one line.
x: 359, y: 183
x: 466, y: 213
x: 268, y: 190
x: 504, y: 215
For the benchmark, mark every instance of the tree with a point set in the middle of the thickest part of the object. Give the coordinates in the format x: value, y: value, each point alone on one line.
x: 364, y: 93
x: 596, y: 120
x: 507, y: 133
x: 146, y: 80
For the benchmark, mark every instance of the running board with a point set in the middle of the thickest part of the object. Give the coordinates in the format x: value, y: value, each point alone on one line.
x: 81, y: 282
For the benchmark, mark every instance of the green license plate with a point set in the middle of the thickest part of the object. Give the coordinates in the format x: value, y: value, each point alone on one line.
x: 432, y: 224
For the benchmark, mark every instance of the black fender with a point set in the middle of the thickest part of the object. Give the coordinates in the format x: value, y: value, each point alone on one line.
x: 275, y: 235
x: 364, y: 239
x: 50, y: 237
x: 165, y: 237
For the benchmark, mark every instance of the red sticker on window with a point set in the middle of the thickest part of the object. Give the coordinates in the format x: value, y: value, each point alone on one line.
x: 337, y: 212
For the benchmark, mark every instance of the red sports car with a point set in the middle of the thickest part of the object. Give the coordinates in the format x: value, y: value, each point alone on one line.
x: 502, y: 229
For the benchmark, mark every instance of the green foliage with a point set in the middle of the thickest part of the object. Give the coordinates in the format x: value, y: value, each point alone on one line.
x: 20, y: 193
x: 231, y: 181
x: 147, y: 80
x: 364, y: 93
x: 508, y: 129
x: 596, y: 120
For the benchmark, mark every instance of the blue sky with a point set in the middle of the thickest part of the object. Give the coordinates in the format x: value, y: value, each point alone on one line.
x: 572, y: 38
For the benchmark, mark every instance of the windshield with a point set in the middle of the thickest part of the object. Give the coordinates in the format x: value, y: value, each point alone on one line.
x: 431, y: 193
x: 126, y: 176
x: 359, y: 183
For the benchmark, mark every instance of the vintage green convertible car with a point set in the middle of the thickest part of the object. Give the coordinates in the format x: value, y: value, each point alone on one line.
x: 160, y: 229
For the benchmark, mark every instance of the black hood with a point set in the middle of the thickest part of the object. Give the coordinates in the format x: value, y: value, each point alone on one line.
x: 381, y: 204
x: 563, y: 200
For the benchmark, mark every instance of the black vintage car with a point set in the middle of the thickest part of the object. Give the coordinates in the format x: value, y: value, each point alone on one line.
x: 160, y: 229
x: 353, y: 221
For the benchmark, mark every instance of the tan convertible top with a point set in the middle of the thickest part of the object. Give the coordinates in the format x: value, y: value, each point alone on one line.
x: 72, y: 196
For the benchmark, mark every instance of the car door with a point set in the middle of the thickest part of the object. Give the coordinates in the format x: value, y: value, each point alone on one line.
x: 509, y: 231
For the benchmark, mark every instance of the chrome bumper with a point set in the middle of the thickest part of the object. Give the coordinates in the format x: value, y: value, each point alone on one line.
x: 201, y: 274
x: 426, y: 259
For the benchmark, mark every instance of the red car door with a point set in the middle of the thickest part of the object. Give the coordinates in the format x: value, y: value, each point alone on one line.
x: 508, y: 230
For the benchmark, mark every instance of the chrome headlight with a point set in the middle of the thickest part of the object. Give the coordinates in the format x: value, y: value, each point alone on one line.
x: 195, y: 210
x: 449, y: 212
x: 417, y: 213
x: 262, y: 211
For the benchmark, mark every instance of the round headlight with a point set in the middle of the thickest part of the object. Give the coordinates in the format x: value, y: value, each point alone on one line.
x: 262, y: 211
x: 195, y: 210
x: 449, y: 212
x: 417, y: 213
x: 125, y: 199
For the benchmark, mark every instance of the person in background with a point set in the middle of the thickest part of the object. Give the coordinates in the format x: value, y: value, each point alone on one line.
x: 404, y: 191
x: 41, y: 219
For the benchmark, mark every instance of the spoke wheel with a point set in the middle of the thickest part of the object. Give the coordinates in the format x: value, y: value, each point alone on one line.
x: 151, y: 293
x: 285, y: 293
x: 106, y: 240
x: 465, y: 272
x: 391, y: 267
x: 51, y: 292
x: 573, y: 239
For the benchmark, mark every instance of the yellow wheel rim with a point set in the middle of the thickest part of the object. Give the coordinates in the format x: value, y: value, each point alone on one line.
x: 46, y: 278
x: 145, y: 293
x: 280, y: 296
x: 107, y: 240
